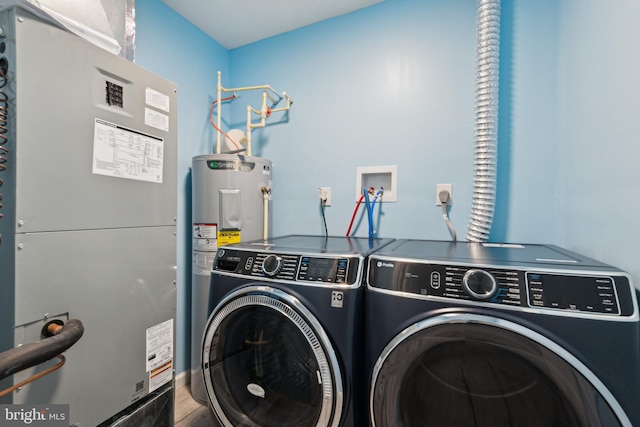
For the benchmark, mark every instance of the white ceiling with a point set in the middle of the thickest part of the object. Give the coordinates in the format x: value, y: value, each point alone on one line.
x: 234, y: 23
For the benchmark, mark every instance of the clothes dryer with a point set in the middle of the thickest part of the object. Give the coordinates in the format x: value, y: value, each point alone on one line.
x: 283, y: 344
x: 481, y: 334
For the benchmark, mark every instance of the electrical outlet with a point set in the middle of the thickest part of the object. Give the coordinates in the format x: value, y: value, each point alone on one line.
x: 325, y: 194
x: 444, y: 187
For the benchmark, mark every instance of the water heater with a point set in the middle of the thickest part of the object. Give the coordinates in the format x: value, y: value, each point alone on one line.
x: 231, y: 203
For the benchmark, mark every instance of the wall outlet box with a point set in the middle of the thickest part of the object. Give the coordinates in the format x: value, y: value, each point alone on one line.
x: 385, y: 177
x: 444, y: 187
x: 324, y: 193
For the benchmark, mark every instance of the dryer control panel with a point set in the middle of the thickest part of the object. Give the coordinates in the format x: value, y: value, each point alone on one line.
x: 303, y: 268
x: 594, y: 294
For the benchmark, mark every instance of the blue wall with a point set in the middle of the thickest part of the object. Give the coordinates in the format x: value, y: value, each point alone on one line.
x: 394, y: 84
x: 599, y: 128
x: 173, y: 48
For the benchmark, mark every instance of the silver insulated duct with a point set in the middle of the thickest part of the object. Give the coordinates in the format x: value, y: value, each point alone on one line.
x: 486, y: 125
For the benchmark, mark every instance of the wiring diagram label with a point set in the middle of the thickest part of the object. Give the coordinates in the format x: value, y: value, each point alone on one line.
x: 126, y: 153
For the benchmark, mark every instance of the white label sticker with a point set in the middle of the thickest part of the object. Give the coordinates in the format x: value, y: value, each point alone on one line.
x: 159, y: 344
x: 203, y: 262
x: 337, y: 299
x: 205, y: 231
x: 160, y: 354
x: 205, y: 237
x: 155, y: 119
x: 205, y: 244
x: 157, y: 99
x: 125, y: 153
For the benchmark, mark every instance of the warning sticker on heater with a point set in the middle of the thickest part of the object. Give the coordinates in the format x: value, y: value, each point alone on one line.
x: 159, y: 347
x: 205, y: 231
x: 203, y: 262
x: 228, y: 237
x: 126, y: 153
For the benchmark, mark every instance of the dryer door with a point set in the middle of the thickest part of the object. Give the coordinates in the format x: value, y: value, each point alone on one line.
x: 473, y: 370
x: 267, y: 362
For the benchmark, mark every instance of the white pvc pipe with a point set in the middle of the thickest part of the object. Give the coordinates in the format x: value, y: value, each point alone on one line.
x: 248, y: 130
x: 264, y: 87
x: 219, y: 102
x: 263, y: 116
x: 262, y: 112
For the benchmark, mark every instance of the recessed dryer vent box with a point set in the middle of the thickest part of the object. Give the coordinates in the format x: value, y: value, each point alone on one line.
x: 376, y: 177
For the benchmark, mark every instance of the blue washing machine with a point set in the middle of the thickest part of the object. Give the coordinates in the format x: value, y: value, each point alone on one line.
x: 283, y: 344
x: 472, y: 334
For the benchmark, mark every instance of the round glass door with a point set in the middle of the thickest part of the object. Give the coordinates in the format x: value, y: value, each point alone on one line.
x: 267, y: 363
x: 472, y: 370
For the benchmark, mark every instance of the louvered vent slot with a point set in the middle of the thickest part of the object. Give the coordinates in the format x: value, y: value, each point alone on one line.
x: 257, y: 265
x: 287, y: 272
x: 289, y: 267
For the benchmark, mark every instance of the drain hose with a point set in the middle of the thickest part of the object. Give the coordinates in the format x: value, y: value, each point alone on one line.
x: 486, y: 126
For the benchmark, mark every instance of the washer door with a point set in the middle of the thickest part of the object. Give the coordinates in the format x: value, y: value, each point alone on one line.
x: 267, y: 362
x: 472, y: 370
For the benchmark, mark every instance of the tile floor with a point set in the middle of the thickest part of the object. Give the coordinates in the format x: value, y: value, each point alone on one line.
x: 188, y: 412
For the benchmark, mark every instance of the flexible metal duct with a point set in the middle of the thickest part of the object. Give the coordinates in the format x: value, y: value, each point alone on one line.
x: 486, y: 127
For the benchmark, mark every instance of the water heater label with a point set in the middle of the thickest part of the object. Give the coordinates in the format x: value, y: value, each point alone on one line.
x: 233, y: 165
x: 203, y: 262
x: 228, y: 237
x: 204, y: 231
x: 126, y: 153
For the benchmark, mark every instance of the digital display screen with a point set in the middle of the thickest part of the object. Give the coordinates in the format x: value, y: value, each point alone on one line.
x: 322, y: 269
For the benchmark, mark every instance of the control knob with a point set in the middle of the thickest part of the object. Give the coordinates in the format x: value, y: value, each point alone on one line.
x: 271, y: 265
x: 479, y: 284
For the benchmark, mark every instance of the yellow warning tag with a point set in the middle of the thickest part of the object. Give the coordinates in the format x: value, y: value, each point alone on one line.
x: 228, y: 237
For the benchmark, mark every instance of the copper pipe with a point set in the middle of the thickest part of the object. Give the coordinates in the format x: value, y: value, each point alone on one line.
x: 35, y: 377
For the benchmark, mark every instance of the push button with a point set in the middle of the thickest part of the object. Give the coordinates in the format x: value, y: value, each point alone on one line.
x: 435, y: 280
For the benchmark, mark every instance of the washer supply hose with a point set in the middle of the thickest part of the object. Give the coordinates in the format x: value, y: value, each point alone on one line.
x: 32, y: 354
x: 486, y: 127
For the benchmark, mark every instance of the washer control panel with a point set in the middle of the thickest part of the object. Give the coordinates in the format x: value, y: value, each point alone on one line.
x: 583, y: 293
x: 290, y: 267
x: 596, y: 294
